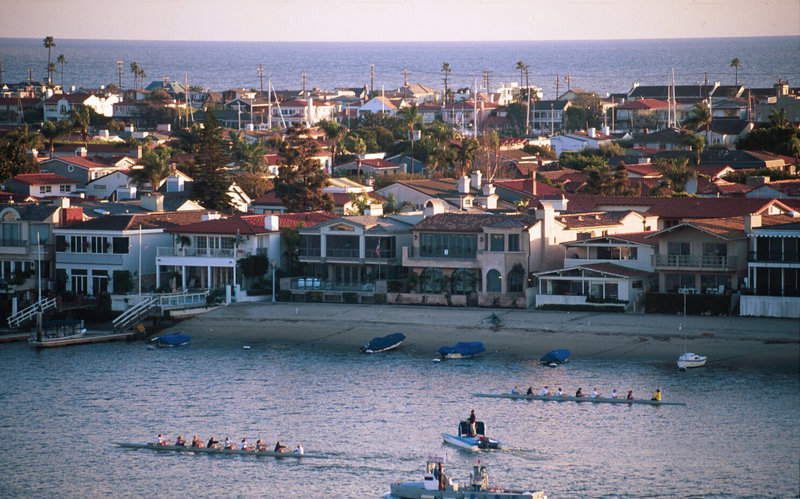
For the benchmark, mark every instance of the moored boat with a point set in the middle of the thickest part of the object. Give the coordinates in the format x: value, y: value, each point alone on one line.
x: 208, y: 450
x: 690, y: 359
x: 436, y: 484
x: 58, y: 333
x: 555, y: 357
x: 556, y: 398
x: 466, y: 440
x: 383, y: 343
x: 172, y: 340
x: 462, y: 350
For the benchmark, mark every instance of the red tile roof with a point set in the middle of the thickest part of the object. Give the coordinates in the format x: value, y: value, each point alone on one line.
x: 644, y: 169
x: 525, y: 185
x: 42, y: 178
x: 380, y: 163
x: 78, y: 161
x: 644, y: 104
x: 308, y: 219
x: 677, y: 208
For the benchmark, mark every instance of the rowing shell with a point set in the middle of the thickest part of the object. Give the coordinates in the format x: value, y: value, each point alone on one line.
x: 555, y: 398
x: 206, y: 450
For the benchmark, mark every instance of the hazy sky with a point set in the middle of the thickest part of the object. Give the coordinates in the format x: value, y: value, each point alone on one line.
x: 396, y: 20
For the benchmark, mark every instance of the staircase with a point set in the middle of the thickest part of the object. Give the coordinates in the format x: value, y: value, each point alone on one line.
x: 30, y: 312
x: 135, y: 314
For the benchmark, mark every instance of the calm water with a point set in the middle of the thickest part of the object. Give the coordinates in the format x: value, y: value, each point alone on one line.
x: 602, y: 66
x: 378, y: 417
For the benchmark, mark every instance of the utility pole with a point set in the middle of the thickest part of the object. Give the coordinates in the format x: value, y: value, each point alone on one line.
x: 568, y: 79
x: 405, y: 83
x: 371, y: 79
x: 304, y: 85
x: 558, y: 78
x: 1, y: 72
x: 486, y: 80
x: 261, y: 76
x: 119, y: 70
x: 30, y: 77
x: 528, y: 91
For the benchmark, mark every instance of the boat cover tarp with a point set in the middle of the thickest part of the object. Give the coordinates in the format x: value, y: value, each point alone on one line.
x: 174, y: 339
x: 555, y: 356
x: 381, y: 342
x: 464, y: 348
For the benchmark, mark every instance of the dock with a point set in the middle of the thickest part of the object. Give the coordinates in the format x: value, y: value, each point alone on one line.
x: 89, y: 337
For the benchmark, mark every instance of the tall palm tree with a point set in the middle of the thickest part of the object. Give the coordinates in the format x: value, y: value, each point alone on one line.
x: 521, y: 66
x: 359, y: 148
x: 334, y: 132
x: 446, y: 70
x: 465, y: 153
x: 135, y: 70
x: 155, y: 169
x: 736, y: 64
x: 81, y: 120
x: 697, y: 145
x: 142, y: 76
x: 62, y: 60
x: 700, y: 117
x: 51, y: 131
x: 49, y: 42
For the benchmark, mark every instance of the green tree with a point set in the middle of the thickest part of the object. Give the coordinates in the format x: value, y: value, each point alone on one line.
x: 249, y: 156
x: 574, y: 118
x: 155, y: 168
x: 334, y: 132
x: 700, y: 118
x: 49, y: 42
x: 593, y: 107
x: 778, y: 118
x: 391, y: 205
x: 521, y: 66
x: 620, y: 184
x: 696, y: 143
x: 290, y: 239
x: 254, y: 184
x: 135, y: 70
x: 53, y: 130
x: 62, y: 60
x: 210, y: 188
x: 599, y: 180
x: 14, y: 148
x: 542, y: 151
x: 301, y: 178
x: 736, y: 64
x: 359, y: 148
x: 581, y: 161
x: 465, y: 154
x: 446, y: 70
x: 677, y: 172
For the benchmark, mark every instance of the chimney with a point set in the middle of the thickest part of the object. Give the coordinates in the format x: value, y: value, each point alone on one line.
x: 62, y: 202
x: 488, y: 189
x: 592, y: 132
x: 136, y: 152
x: 210, y: 216
x: 751, y: 221
x: 475, y: 181
x: 463, y: 185
x: 81, y: 152
x: 374, y: 210
x: 272, y: 223
x: 153, y: 202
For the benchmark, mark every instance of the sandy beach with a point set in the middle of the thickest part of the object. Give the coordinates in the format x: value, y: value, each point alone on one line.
x: 520, y: 333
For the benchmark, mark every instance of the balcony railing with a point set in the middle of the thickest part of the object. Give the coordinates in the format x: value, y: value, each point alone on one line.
x: 309, y: 251
x: 341, y: 253
x: 17, y: 243
x: 316, y: 284
x: 754, y: 256
x: 417, y: 252
x: 196, y: 252
x: 695, y: 261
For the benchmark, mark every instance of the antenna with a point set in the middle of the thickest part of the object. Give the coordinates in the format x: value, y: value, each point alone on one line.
x: 261, y: 76
x: 371, y: 79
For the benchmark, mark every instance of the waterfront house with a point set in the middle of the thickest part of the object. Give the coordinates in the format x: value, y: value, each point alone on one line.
x: 60, y: 106
x: 773, y: 268
x: 41, y: 185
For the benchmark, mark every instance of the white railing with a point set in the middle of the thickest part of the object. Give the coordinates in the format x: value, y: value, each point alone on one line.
x: 183, y: 300
x: 30, y: 311
x: 135, y: 313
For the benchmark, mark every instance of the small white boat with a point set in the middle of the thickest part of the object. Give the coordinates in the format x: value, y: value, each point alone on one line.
x: 690, y: 359
x: 464, y: 439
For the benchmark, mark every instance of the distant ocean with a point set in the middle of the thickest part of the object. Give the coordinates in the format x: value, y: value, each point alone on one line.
x: 599, y: 66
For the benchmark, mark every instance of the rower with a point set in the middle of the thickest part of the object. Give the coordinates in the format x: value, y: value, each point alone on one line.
x: 161, y: 440
x: 180, y: 442
x: 196, y: 442
x: 545, y: 392
x: 299, y: 450
x: 595, y: 393
x: 279, y: 447
x: 614, y: 393
x: 560, y: 392
x: 229, y: 444
x: 245, y: 444
x: 260, y: 446
x: 579, y: 393
x: 515, y: 390
x: 657, y: 395
x: 630, y: 395
x: 213, y: 443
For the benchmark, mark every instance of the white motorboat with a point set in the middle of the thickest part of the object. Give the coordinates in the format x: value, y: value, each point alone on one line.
x: 689, y: 359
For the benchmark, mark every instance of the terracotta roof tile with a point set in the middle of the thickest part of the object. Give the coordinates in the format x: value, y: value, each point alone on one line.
x: 471, y: 222
x: 42, y: 178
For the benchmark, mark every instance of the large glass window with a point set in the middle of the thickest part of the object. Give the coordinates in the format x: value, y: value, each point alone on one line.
x: 99, y: 245
x: 677, y: 248
x: 40, y: 230
x: 79, y: 244
x: 513, y: 242
x: 309, y: 245
x: 121, y: 245
x: 497, y: 242
x: 675, y: 281
x: 515, y: 281
x: 448, y: 245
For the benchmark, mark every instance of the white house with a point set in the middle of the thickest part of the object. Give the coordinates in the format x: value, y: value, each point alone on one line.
x: 378, y: 105
x: 41, y: 185
x: 59, y: 106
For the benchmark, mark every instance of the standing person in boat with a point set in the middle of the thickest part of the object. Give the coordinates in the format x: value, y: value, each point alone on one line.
x: 180, y: 442
x: 299, y: 450
x: 630, y: 395
x: 545, y: 392
x: 472, y: 427
x: 441, y: 476
x: 657, y: 395
x: 196, y: 442
x: 213, y: 443
x: 161, y: 440
x: 279, y: 447
x: 579, y: 393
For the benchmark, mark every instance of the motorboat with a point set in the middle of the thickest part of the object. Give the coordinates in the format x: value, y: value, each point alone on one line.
x: 383, y: 343
x: 461, y: 350
x: 172, y: 340
x: 690, y: 359
x: 436, y: 484
x: 58, y: 333
x: 555, y: 357
x: 466, y: 440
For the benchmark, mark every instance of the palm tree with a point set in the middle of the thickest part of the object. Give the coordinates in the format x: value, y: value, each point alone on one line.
x: 696, y: 143
x: 135, y: 70
x: 62, y: 60
x: 81, y: 120
x: 155, y: 168
x: 465, y: 153
x: 359, y: 148
x: 49, y: 42
x: 521, y: 66
x: 446, y: 70
x: 735, y: 64
x: 391, y: 205
x: 700, y: 117
x: 51, y: 69
x: 334, y: 132
x: 51, y: 131
x: 142, y: 76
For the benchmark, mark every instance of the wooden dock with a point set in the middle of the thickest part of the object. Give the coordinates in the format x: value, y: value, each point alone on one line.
x: 94, y: 337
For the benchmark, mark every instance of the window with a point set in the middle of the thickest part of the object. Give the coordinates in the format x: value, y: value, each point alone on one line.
x: 494, y: 282
x: 44, y: 189
x: 40, y: 230
x: 513, y: 242
x: 61, y: 243
x: 65, y: 188
x: 120, y: 245
x: 497, y: 242
x: 677, y: 248
x: 673, y: 282
x: 438, y: 245
x: 79, y: 244
x: 79, y: 281
x: 99, y: 245
x: 715, y: 249
x: 515, y: 281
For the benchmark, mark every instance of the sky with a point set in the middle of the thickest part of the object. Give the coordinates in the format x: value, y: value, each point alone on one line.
x: 396, y: 20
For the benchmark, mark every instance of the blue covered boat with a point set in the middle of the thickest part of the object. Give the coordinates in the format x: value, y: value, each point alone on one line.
x: 384, y: 343
x: 555, y: 357
x: 462, y: 350
x: 172, y: 340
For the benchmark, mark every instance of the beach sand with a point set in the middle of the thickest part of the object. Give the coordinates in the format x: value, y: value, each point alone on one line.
x: 520, y: 333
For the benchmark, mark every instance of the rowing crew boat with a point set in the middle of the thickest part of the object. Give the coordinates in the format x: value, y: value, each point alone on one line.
x: 207, y: 450
x: 556, y: 398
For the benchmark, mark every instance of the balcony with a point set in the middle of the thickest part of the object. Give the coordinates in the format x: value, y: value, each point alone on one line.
x: 196, y: 252
x: 413, y: 257
x: 688, y: 262
x: 754, y: 256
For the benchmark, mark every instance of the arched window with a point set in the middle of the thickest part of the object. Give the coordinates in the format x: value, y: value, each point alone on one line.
x: 494, y: 282
x: 432, y: 281
x: 515, y: 280
x: 464, y: 281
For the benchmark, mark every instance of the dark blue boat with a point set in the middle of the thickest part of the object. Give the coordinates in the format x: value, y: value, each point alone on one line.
x: 462, y: 350
x: 172, y: 340
x: 555, y: 357
x: 382, y: 344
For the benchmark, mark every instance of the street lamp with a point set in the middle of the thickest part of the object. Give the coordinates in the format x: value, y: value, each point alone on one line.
x: 274, y: 264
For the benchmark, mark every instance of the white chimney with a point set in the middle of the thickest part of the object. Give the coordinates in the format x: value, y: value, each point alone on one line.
x: 374, y: 210
x: 153, y: 202
x: 606, y: 130
x: 272, y: 223
x: 463, y: 185
x: 488, y: 189
x: 475, y: 181
x: 62, y: 202
x: 81, y: 151
x: 210, y: 216
x: 751, y: 221
x: 129, y: 128
x: 592, y: 132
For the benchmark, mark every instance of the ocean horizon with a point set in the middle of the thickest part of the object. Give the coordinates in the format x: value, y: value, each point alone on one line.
x: 601, y: 66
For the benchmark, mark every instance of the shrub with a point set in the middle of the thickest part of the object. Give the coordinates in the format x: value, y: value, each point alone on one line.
x: 350, y: 297
x: 285, y: 295
x: 314, y: 296
x: 380, y: 298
